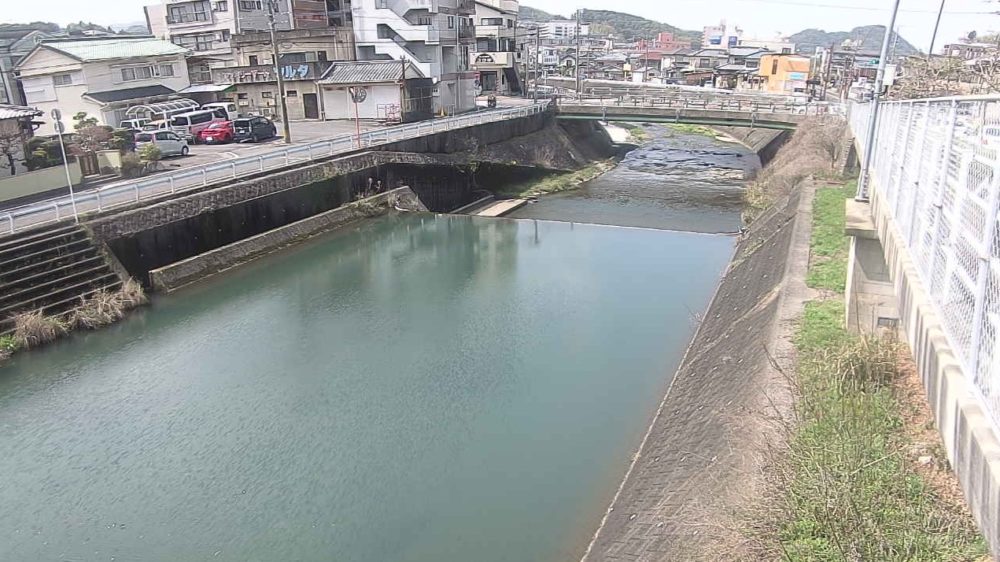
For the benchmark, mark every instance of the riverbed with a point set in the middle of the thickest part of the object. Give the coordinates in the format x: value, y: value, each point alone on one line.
x: 417, y: 388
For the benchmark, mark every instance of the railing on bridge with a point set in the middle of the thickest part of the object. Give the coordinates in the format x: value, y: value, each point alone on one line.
x: 742, y: 104
x: 196, y: 177
x: 936, y: 168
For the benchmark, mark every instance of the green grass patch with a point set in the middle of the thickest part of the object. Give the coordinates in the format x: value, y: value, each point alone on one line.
x: 636, y: 133
x: 558, y: 182
x: 846, y: 490
x: 829, y: 247
x: 692, y: 129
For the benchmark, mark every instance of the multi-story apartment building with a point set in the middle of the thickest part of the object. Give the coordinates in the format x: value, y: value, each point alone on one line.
x: 496, y: 54
x: 14, y: 44
x: 437, y: 36
x: 101, y: 77
x: 560, y: 30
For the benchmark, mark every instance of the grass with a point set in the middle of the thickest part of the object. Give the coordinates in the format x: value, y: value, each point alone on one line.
x: 559, y: 182
x: 692, y: 129
x: 32, y: 329
x: 8, y: 345
x: 636, y: 133
x: 829, y: 247
x: 845, y: 487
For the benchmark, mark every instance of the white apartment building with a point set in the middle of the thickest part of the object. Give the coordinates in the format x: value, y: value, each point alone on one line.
x: 496, y: 55
x: 206, y: 27
x: 101, y: 77
x: 437, y: 36
x: 721, y: 36
x: 777, y: 45
x: 563, y: 29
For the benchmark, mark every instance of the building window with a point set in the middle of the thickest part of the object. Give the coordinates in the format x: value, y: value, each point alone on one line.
x: 267, y: 95
x: 451, y: 22
x: 222, y: 6
x: 384, y: 31
x: 382, y: 4
x: 321, y: 56
x: 132, y: 73
x: 225, y: 35
x: 241, y: 96
x: 292, y: 93
x: 786, y: 51
x: 250, y: 5
x: 774, y: 66
x: 491, y: 21
x: 290, y: 58
x: 425, y: 20
x: 166, y: 70
x: 254, y: 61
x: 200, y: 73
x: 62, y: 79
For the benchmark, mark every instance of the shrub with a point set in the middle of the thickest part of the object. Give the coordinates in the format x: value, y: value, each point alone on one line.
x: 8, y: 345
x: 105, y: 307
x: 32, y: 329
x: 132, y: 166
x: 122, y: 140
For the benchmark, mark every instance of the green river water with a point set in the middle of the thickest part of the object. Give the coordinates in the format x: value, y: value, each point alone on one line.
x: 415, y: 388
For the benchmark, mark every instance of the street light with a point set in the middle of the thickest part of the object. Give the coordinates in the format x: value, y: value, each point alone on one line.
x: 60, y: 129
x: 865, y: 178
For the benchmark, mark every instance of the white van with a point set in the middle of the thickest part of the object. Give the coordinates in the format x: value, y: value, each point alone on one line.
x: 232, y: 112
x: 133, y: 124
x: 187, y: 125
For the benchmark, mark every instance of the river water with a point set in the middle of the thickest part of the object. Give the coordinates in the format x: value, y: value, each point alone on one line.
x: 416, y: 388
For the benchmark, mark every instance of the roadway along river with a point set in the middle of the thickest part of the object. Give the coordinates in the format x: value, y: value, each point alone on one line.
x: 418, y: 388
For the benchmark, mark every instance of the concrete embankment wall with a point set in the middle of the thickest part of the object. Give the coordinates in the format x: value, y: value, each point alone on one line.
x: 970, y: 439
x: 689, y: 467
x: 186, y: 271
x: 765, y: 142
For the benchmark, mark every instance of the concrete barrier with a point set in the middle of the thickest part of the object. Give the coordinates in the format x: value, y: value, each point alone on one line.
x: 969, y: 436
x: 28, y: 184
x: 184, y: 272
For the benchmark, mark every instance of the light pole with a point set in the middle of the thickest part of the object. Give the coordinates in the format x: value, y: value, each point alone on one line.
x: 60, y: 128
x: 930, y: 52
x: 272, y: 8
x: 865, y: 179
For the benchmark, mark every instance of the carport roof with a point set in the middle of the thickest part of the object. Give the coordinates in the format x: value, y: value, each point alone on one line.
x: 368, y: 72
x: 130, y: 93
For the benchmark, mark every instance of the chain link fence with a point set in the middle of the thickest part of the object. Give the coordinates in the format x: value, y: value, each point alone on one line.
x: 936, y: 167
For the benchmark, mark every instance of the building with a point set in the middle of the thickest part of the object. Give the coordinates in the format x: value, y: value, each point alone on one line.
x: 777, y: 45
x: 15, y: 129
x: 306, y: 54
x: 970, y: 51
x: 14, y: 44
x: 384, y: 90
x: 561, y: 30
x: 721, y: 36
x: 206, y: 27
x: 101, y: 77
x: 436, y: 37
x: 784, y: 74
x: 496, y: 54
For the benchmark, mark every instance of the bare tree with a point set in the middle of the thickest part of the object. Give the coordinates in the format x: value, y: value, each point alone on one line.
x: 11, y: 148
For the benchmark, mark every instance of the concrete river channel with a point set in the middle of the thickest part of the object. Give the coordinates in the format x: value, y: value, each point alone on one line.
x: 415, y: 387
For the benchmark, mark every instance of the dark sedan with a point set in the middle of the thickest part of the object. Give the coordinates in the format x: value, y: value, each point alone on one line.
x: 253, y: 129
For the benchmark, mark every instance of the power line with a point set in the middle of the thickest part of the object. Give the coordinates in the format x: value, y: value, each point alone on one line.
x: 866, y: 8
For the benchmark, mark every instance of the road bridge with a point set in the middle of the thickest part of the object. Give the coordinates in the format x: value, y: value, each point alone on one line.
x: 648, y: 111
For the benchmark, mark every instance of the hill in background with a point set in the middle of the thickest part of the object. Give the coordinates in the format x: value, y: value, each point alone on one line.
x: 868, y: 39
x: 621, y: 25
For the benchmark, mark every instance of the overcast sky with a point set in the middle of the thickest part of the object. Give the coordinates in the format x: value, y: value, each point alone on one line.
x: 761, y: 18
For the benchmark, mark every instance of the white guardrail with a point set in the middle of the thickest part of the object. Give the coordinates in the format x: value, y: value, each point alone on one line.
x: 936, y: 167
x: 127, y: 193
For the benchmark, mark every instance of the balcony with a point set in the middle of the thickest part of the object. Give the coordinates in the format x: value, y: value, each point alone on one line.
x: 264, y: 73
x: 189, y: 17
x: 494, y: 31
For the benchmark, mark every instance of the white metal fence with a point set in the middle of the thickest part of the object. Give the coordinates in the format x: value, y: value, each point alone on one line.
x: 936, y: 167
x: 127, y: 193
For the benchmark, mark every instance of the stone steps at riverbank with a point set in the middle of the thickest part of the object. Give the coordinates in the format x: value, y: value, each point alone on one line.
x: 50, y: 269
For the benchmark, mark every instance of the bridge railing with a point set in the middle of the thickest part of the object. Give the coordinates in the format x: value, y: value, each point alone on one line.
x: 744, y: 104
x: 196, y: 177
x: 936, y: 167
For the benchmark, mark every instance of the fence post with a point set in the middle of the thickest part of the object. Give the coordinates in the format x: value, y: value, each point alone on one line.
x: 204, y: 176
x: 173, y: 186
x: 917, y: 184
x: 98, y: 193
x: 985, y: 251
x: 58, y: 214
x: 135, y: 187
x: 10, y: 219
x: 233, y: 164
x: 260, y: 163
x: 938, y: 201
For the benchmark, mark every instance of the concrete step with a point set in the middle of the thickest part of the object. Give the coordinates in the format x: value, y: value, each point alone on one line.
x: 11, y: 249
x: 29, y: 292
x: 21, y: 265
x: 61, y: 294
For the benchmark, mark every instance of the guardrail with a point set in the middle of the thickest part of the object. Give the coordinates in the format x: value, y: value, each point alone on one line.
x: 722, y: 103
x: 936, y: 166
x: 128, y: 193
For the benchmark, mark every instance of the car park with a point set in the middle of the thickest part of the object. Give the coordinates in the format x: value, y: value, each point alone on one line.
x: 169, y: 142
x: 188, y: 125
x: 253, y: 129
x: 219, y: 132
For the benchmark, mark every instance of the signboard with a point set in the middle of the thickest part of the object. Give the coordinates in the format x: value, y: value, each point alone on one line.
x: 732, y: 41
x: 485, y: 59
x: 358, y: 93
x: 265, y: 73
x: 798, y: 75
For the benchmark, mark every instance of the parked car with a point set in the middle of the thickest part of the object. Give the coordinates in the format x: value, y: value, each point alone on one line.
x: 156, y: 126
x: 169, y: 142
x: 188, y: 125
x: 253, y: 129
x: 134, y: 124
x: 219, y: 132
x: 232, y: 112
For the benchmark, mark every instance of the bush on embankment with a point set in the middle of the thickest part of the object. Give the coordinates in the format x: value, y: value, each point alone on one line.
x: 33, y: 328
x: 814, y: 150
x: 844, y: 485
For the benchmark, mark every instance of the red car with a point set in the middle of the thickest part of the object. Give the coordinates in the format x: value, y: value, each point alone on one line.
x: 218, y: 132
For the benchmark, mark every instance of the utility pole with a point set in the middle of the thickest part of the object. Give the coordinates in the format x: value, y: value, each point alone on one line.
x: 865, y: 179
x: 829, y: 70
x: 937, y: 24
x: 538, y: 50
x: 579, y: 92
x: 272, y: 7
x: 458, y: 63
x: 645, y: 62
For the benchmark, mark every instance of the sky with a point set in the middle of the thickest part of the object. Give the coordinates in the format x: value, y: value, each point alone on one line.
x: 759, y: 18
